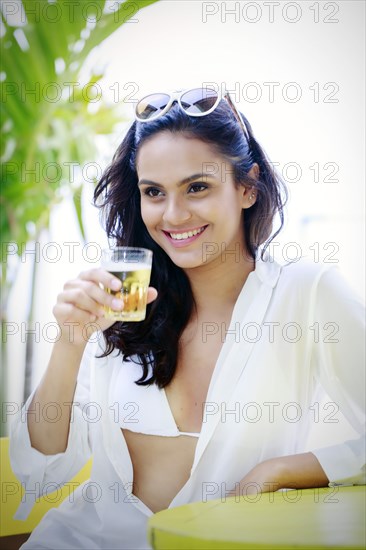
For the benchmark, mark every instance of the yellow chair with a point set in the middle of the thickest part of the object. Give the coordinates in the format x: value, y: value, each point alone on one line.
x: 12, y: 491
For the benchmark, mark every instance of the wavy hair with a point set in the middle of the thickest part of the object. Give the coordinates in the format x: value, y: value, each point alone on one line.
x: 154, y: 342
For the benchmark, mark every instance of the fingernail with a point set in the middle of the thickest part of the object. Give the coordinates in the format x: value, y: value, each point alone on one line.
x: 115, y: 284
x: 117, y: 304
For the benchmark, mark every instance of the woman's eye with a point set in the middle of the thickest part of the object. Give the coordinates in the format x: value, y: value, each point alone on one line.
x: 197, y: 187
x: 152, y: 192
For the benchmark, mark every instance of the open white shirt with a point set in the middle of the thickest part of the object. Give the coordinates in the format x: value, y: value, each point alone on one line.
x: 293, y: 327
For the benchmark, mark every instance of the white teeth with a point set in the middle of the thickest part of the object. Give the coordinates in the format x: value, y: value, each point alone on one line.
x: 186, y: 235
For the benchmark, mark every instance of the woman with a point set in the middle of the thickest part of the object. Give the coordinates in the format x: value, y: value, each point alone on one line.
x: 213, y: 394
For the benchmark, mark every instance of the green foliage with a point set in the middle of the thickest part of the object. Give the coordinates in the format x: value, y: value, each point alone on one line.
x: 46, y: 124
x: 49, y: 118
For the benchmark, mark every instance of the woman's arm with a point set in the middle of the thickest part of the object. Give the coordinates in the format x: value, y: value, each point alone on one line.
x: 79, y: 305
x: 338, y: 363
x: 300, y: 471
x: 57, y: 386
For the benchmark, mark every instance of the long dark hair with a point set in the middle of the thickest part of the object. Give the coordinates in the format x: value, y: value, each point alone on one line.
x: 154, y: 343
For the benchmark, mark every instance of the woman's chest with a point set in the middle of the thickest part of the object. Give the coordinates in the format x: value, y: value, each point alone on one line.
x: 188, y: 390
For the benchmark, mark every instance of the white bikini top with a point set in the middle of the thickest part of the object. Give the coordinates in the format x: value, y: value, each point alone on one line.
x: 142, y: 409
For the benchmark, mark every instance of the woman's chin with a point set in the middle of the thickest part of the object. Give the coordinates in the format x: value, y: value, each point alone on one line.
x: 187, y: 265
x: 185, y: 261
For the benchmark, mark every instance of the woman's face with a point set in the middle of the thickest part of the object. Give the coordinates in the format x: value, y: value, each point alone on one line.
x: 189, y: 202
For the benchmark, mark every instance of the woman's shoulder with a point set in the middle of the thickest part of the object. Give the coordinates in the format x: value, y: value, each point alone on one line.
x: 305, y: 270
x: 323, y: 281
x: 306, y: 286
x: 299, y: 272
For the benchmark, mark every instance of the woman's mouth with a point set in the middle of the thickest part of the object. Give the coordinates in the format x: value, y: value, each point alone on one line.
x: 181, y: 238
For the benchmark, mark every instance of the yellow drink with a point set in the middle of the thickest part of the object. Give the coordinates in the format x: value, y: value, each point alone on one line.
x: 135, y: 279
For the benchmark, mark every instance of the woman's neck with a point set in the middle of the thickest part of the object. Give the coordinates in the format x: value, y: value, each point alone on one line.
x: 216, y: 285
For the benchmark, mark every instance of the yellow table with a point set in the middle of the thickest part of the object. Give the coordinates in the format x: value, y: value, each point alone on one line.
x: 309, y: 519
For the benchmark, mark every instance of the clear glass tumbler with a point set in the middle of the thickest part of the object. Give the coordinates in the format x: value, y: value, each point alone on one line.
x: 133, y: 267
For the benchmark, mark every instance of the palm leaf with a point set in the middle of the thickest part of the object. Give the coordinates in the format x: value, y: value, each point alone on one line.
x: 44, y: 131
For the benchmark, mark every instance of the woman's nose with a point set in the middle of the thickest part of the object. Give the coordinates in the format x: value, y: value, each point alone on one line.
x: 176, y: 211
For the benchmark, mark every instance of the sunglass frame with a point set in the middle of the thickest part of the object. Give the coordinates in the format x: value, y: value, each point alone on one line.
x: 177, y: 95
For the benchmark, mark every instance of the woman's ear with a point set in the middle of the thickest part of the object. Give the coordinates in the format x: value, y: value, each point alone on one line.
x: 250, y: 193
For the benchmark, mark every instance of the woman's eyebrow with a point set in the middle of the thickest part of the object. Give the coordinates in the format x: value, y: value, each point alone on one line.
x: 193, y: 177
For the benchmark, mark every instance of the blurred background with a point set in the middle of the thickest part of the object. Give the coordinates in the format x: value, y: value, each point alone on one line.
x: 70, y: 74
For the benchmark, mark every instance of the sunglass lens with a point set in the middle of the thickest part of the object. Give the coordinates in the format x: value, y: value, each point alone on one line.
x: 151, y: 105
x: 199, y: 100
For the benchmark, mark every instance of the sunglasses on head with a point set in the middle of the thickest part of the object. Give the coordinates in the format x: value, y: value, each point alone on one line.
x: 196, y: 102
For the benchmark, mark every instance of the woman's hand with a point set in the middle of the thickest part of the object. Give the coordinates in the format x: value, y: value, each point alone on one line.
x: 79, y: 310
x: 301, y: 471
x: 263, y: 478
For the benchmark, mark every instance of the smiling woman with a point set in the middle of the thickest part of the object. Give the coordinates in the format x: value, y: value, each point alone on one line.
x: 184, y: 173
x: 217, y: 386
x: 196, y: 208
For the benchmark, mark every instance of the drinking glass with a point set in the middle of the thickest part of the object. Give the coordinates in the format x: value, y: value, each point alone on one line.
x: 133, y: 267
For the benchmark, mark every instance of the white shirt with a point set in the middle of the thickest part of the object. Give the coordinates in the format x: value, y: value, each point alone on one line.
x: 292, y: 328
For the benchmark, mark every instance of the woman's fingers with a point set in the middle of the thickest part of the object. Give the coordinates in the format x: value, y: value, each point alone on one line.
x: 68, y: 313
x: 101, y: 276
x: 87, y: 293
x: 77, y: 325
x: 152, y: 294
x: 89, y: 297
x: 81, y: 305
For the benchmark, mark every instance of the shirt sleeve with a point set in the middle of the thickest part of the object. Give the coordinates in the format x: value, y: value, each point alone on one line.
x: 39, y: 473
x: 339, y: 365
